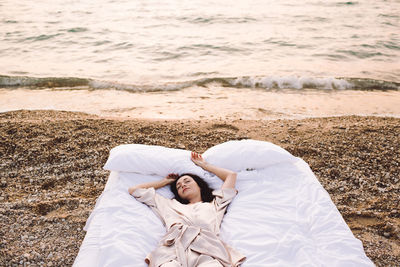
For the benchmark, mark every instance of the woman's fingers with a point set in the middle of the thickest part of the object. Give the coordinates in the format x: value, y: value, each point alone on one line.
x: 197, y: 158
x: 172, y: 176
x: 196, y: 155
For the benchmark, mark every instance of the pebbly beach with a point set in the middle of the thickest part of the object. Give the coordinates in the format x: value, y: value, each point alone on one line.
x: 51, y: 172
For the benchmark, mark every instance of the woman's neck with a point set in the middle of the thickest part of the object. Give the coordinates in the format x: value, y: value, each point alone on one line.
x: 195, y: 200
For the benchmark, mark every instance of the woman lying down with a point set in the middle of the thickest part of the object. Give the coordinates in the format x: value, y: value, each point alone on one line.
x: 192, y: 219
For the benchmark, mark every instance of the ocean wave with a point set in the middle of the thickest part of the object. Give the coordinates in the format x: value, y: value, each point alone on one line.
x: 255, y: 82
x: 48, y: 82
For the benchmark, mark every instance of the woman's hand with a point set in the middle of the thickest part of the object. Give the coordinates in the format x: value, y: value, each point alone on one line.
x: 198, y: 159
x: 229, y: 177
x: 171, y: 178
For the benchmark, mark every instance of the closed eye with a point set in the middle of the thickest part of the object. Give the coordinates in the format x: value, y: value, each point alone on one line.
x: 186, y: 180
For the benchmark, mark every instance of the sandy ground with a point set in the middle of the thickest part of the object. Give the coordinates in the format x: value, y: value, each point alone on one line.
x: 211, y: 102
x: 51, y: 173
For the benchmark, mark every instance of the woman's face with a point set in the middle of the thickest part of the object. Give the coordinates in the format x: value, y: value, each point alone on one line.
x: 187, y: 188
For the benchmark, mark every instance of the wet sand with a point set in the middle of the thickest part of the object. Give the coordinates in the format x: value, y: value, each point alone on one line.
x: 51, y: 172
x: 211, y: 102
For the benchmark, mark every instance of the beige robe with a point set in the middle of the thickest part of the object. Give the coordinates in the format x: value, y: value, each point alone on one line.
x: 192, y: 229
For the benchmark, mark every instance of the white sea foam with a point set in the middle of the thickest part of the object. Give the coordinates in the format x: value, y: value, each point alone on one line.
x: 292, y: 82
x: 265, y: 82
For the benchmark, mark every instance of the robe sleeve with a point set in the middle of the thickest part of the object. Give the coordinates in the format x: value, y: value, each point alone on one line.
x: 223, y: 197
x: 156, y: 202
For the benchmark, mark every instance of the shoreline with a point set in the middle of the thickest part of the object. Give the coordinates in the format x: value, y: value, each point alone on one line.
x: 52, y: 172
x: 214, y: 102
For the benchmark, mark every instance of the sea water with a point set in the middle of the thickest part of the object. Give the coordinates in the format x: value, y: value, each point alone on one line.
x: 157, y: 45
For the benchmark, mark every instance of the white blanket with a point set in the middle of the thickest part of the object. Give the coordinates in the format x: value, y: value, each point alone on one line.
x: 281, y: 216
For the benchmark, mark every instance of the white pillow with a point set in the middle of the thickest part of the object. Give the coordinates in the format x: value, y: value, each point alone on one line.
x: 246, y: 155
x: 151, y: 160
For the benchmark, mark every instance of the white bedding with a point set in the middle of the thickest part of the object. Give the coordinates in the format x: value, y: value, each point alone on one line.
x: 281, y: 217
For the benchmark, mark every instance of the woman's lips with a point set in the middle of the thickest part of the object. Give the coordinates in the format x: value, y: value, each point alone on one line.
x: 184, y: 189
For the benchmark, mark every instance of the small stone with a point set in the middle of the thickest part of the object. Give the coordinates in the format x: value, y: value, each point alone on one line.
x: 386, y: 234
x: 181, y: 146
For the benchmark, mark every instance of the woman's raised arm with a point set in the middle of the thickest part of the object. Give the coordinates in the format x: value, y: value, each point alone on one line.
x: 229, y: 177
x: 156, y: 184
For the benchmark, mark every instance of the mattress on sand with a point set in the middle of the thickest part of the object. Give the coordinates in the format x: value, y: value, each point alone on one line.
x: 282, y: 216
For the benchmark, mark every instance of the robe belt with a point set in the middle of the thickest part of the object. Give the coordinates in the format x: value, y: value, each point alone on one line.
x: 182, y: 236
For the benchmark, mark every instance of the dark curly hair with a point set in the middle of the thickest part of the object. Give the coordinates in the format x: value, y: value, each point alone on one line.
x: 205, y: 189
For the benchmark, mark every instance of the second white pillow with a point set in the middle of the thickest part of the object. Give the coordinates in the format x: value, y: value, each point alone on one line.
x: 246, y: 155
